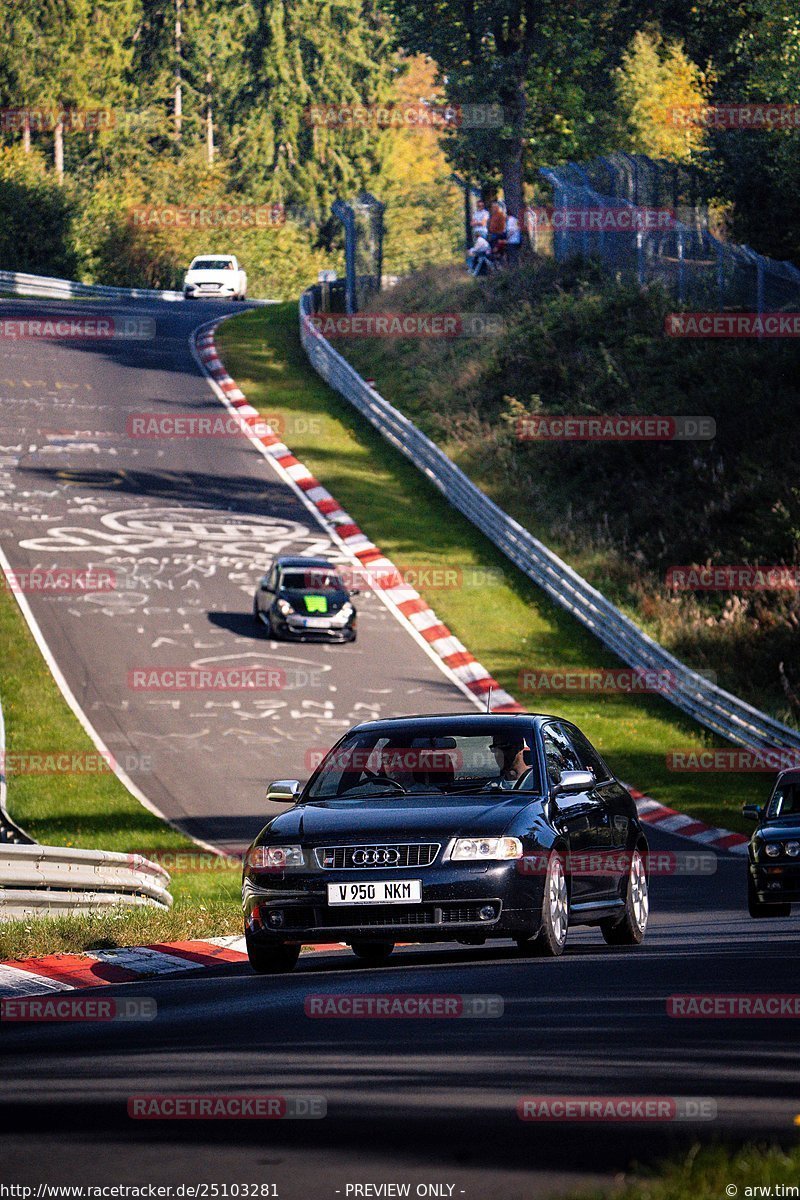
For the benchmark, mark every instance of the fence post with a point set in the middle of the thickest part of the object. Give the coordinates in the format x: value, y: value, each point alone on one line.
x: 681, y: 280
x: 345, y: 214
x: 469, y: 191
x: 640, y: 257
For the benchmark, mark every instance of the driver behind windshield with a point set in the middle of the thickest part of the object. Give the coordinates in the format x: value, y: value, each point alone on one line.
x: 513, y: 757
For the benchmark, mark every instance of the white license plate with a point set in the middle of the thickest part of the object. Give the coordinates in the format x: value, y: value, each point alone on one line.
x: 405, y: 891
x: 316, y: 623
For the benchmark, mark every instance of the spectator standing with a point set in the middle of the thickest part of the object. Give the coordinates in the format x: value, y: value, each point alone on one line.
x: 497, y: 222
x: 480, y: 220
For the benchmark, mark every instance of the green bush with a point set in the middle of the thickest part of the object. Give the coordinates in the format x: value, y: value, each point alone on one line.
x: 36, y: 216
x: 575, y: 342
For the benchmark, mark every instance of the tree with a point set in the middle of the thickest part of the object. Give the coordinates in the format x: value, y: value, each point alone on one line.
x: 301, y: 58
x: 483, y: 49
x: 655, y: 78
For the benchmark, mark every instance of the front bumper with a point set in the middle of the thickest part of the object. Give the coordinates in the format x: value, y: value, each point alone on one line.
x: 291, y: 629
x: 776, y: 882
x: 452, y: 899
x: 197, y: 293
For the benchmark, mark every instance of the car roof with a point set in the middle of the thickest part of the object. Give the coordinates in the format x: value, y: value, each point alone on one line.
x: 790, y: 776
x: 293, y: 561
x: 442, y: 720
x: 214, y: 254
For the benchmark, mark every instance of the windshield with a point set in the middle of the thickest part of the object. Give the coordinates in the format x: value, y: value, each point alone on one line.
x: 211, y: 264
x: 785, y: 802
x: 495, y: 757
x: 299, y: 581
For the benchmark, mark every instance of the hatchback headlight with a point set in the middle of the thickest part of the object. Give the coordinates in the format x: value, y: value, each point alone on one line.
x: 485, y: 849
x: 275, y: 858
x: 284, y: 608
x: 792, y: 849
x: 772, y: 849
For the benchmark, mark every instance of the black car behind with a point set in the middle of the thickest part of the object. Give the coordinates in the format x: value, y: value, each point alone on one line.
x: 448, y: 828
x: 305, y: 599
x: 773, y: 878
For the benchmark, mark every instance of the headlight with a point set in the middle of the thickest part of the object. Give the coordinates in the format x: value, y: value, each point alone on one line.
x: 486, y: 849
x: 792, y: 849
x: 275, y: 858
x: 772, y: 849
x: 284, y: 608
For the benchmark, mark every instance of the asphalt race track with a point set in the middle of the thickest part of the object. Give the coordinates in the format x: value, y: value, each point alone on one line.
x: 424, y: 1099
x: 185, y: 527
x: 408, y: 1100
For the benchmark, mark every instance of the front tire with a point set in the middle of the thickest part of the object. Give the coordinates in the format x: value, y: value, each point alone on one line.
x: 549, y: 942
x: 372, y: 954
x: 631, y: 928
x: 272, y: 960
x: 758, y: 909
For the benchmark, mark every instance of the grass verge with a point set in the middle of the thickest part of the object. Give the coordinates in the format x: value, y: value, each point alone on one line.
x: 93, y: 811
x: 705, y: 1174
x: 506, y: 621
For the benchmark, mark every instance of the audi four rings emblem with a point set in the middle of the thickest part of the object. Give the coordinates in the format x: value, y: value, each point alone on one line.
x: 380, y: 856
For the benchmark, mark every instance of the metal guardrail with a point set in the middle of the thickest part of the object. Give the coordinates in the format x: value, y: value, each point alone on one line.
x: 51, y: 288
x: 48, y: 880
x: 62, y: 289
x: 10, y: 832
x: 37, y: 880
x: 710, y: 705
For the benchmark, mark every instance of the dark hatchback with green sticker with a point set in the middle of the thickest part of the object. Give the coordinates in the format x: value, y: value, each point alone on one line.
x: 305, y: 599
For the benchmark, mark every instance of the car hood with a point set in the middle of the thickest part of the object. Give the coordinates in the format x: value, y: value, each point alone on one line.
x: 353, y: 822
x: 297, y: 598
x: 780, y: 830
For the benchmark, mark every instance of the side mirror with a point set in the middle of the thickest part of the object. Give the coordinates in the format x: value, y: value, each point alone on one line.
x: 355, y: 592
x: 753, y: 812
x: 283, y: 791
x: 572, y: 782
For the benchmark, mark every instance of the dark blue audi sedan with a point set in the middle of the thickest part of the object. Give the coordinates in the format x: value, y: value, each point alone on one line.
x: 448, y: 828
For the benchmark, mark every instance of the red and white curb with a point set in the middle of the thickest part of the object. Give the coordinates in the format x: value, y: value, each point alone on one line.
x: 670, y: 821
x: 104, y: 968
x: 404, y: 600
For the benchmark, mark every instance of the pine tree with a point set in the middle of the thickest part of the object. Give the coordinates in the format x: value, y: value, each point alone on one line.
x: 300, y: 56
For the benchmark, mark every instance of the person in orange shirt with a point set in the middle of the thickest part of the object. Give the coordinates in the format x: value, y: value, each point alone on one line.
x: 497, y: 222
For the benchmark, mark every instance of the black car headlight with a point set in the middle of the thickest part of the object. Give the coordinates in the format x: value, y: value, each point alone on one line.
x: 773, y: 849
x: 284, y: 608
x: 792, y: 849
x: 275, y: 858
x: 492, y: 849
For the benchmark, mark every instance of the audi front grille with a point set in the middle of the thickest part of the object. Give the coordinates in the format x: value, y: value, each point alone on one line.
x: 377, y: 858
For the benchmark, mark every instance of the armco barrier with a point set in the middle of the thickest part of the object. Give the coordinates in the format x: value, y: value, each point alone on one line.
x: 10, y: 832
x: 48, y: 880
x: 711, y: 706
x: 49, y: 288
x: 42, y: 880
x: 62, y: 289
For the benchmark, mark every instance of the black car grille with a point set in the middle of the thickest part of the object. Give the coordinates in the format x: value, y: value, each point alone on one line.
x: 380, y: 857
x: 388, y: 916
